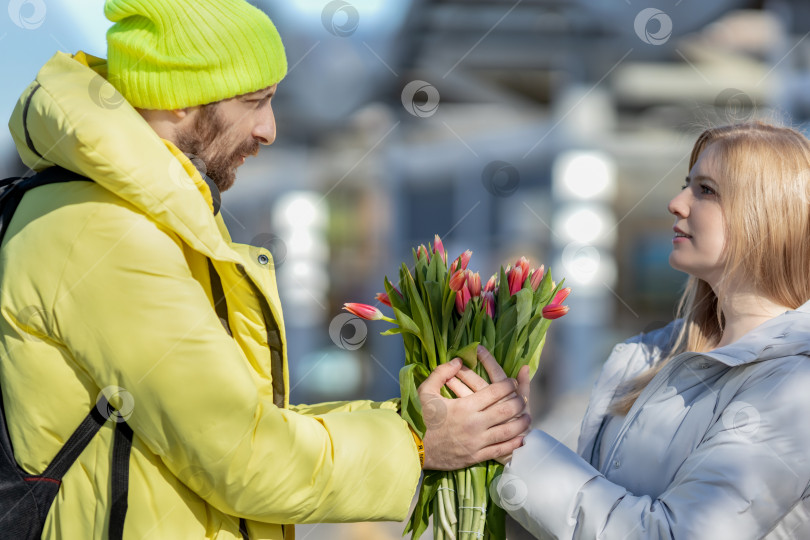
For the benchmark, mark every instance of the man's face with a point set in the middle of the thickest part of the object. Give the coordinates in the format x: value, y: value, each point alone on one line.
x: 224, y: 133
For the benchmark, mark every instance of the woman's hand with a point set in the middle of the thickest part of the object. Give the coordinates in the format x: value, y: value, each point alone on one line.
x: 486, y: 421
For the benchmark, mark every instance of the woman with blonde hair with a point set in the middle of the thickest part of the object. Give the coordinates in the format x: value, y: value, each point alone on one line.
x: 700, y: 429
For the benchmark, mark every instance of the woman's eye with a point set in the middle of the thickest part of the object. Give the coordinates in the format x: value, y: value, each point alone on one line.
x: 706, y: 190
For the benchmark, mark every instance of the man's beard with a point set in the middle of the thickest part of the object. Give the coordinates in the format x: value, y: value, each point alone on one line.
x: 208, y: 140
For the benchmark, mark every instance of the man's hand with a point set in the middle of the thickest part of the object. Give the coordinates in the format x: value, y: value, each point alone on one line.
x: 486, y: 421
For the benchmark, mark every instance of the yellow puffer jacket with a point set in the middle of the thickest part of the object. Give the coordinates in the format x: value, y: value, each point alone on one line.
x: 105, y: 285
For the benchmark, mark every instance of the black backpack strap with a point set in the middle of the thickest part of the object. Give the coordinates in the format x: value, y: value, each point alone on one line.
x: 122, y: 446
x: 77, y: 442
x: 13, y: 189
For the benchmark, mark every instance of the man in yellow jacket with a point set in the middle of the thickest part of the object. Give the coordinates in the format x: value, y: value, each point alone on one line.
x: 130, y: 286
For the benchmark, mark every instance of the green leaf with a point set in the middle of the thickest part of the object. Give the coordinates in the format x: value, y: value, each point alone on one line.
x: 397, y: 302
x: 458, y: 332
x: 523, y: 305
x: 422, y: 321
x: 433, y: 291
x: 468, y: 354
x: 542, y: 294
x: 392, y: 331
x: 407, y: 324
x: 410, y: 377
x: 504, y: 328
x: 424, y: 507
x: 488, y: 339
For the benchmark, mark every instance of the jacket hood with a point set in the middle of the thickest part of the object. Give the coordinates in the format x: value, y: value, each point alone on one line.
x: 70, y: 116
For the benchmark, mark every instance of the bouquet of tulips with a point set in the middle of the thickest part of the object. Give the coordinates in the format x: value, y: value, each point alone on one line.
x: 442, y: 313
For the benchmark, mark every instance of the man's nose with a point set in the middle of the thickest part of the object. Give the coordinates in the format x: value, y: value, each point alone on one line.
x: 265, y: 129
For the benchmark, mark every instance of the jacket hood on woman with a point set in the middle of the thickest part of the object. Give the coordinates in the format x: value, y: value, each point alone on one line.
x: 105, y: 286
x: 715, y: 447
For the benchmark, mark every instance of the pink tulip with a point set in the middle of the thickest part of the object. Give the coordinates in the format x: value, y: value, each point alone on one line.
x: 491, y: 284
x: 554, y: 311
x: 523, y: 263
x: 364, y: 311
x: 537, y: 277
x: 453, y: 267
x: 438, y: 248
x: 489, y: 303
x: 462, y: 298
x: 474, y: 282
x: 422, y: 251
x: 515, y: 279
x: 465, y: 259
x: 383, y: 298
x: 458, y: 280
x: 561, y: 295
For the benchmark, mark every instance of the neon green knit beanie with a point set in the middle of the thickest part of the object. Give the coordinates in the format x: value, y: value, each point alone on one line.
x: 172, y: 54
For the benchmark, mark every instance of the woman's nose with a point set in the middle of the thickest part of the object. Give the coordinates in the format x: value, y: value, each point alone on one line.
x: 679, y: 205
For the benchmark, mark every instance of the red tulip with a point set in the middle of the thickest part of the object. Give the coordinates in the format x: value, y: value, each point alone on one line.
x: 438, y: 248
x: 383, y: 298
x: 537, y: 277
x: 491, y: 284
x: 462, y: 298
x: 515, y: 279
x: 554, y: 311
x: 561, y: 295
x: 364, y: 311
x: 474, y: 282
x: 465, y: 259
x: 489, y: 303
x: 422, y: 251
x: 523, y: 264
x: 458, y: 280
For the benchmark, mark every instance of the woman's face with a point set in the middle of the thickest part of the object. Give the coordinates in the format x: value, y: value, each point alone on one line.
x: 697, y: 247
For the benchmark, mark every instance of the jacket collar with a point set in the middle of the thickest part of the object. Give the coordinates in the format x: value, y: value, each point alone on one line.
x: 787, y: 334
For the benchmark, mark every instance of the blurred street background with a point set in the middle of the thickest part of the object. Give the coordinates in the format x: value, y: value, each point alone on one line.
x: 555, y: 129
